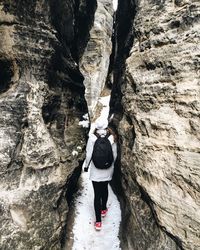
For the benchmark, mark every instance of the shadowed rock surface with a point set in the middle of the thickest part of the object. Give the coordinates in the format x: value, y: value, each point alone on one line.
x: 159, y: 124
x: 41, y: 104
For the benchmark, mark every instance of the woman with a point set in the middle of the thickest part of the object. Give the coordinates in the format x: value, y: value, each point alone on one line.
x: 100, y: 177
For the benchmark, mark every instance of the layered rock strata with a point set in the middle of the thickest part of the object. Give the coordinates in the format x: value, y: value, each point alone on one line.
x: 41, y: 104
x: 160, y: 127
x: 96, y: 57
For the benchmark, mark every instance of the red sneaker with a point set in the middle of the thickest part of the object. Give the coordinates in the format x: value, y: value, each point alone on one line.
x: 104, y: 212
x: 97, y: 225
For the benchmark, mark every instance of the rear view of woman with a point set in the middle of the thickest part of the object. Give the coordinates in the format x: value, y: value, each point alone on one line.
x: 100, y: 177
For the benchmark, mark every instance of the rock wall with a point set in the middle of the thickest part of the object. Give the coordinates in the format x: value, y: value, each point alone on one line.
x: 160, y: 127
x: 41, y: 104
x: 155, y: 98
x: 96, y: 57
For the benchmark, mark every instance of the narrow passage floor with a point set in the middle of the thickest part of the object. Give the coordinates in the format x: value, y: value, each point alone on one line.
x: 84, y: 235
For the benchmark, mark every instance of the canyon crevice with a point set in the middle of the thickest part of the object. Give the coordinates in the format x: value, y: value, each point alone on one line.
x: 95, y: 61
x: 148, y: 52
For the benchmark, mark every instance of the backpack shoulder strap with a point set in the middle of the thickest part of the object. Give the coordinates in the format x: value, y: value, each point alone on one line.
x: 97, y: 135
x: 107, y: 135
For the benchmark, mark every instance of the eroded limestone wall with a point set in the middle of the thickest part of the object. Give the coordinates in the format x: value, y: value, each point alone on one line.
x: 160, y: 127
x: 41, y: 104
x: 96, y: 57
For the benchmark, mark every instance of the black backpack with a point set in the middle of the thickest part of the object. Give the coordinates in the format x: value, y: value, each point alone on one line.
x: 102, y: 155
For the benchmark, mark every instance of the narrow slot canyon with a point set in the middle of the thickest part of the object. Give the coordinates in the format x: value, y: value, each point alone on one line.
x: 63, y: 64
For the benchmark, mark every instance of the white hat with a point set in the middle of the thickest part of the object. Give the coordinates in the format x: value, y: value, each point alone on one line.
x: 101, y: 124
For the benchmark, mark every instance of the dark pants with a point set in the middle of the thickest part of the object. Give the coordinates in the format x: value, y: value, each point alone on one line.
x: 100, y: 197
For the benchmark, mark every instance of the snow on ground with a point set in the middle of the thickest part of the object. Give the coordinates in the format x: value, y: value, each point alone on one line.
x: 85, y: 235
